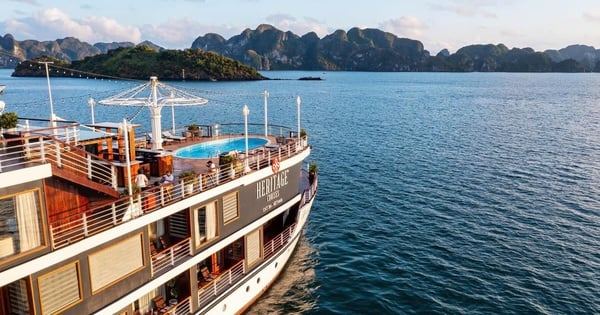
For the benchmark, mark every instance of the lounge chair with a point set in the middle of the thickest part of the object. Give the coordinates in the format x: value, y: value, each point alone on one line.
x: 164, y: 140
x: 206, y: 274
x: 159, y: 302
x: 171, y: 136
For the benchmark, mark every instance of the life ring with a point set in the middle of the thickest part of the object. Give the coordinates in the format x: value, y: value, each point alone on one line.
x: 275, y: 165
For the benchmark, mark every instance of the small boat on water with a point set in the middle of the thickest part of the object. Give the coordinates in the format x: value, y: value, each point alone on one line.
x: 2, y: 87
x: 78, y: 236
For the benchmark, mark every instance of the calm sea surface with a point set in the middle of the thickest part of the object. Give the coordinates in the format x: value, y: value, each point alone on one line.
x: 440, y: 193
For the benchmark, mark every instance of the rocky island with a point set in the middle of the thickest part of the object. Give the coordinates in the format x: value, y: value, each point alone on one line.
x: 142, y: 62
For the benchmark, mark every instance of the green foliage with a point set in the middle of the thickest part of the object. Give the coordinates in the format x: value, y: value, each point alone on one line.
x: 187, y: 176
x: 142, y: 62
x: 313, y: 167
x: 8, y: 120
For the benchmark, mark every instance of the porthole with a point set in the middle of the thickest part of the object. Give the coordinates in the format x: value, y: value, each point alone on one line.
x: 248, y: 289
x: 276, y: 264
x: 257, y: 280
x: 224, y: 307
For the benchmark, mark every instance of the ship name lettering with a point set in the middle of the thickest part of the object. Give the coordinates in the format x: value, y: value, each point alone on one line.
x: 271, y: 184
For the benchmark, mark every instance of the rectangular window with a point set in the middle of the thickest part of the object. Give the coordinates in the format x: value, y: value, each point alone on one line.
x: 60, y: 289
x: 17, y: 297
x: 116, y: 262
x: 205, y: 221
x: 230, y: 208
x: 20, y: 223
x: 253, y: 246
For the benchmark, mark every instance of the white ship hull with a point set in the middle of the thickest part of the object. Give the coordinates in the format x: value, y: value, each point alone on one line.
x: 255, y: 284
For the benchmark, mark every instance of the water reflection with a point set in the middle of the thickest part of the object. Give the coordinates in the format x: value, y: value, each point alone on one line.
x: 294, y: 291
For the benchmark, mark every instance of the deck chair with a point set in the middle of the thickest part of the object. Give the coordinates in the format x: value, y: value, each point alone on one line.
x: 164, y: 140
x: 171, y: 136
x: 206, y: 274
x: 160, y: 304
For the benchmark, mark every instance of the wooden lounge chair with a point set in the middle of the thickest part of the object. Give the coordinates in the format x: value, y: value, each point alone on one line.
x: 171, y: 136
x: 206, y: 274
x: 160, y: 304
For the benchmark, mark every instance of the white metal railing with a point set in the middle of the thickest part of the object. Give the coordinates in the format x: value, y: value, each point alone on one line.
x: 183, y: 307
x: 225, y: 280
x: 278, y: 242
x: 17, y: 153
x: 74, y: 227
x: 219, y: 285
x: 169, y: 257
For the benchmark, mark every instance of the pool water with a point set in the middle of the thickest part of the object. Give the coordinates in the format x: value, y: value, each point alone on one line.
x: 211, y: 149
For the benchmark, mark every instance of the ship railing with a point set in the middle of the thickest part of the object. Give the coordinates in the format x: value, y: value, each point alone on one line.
x: 309, y: 193
x: 68, y: 228
x: 168, y: 258
x: 183, y: 307
x: 31, y: 150
x: 218, y: 286
x: 278, y: 242
x: 72, y: 228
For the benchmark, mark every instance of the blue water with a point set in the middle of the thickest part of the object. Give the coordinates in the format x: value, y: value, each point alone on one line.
x: 441, y: 193
x: 214, y: 148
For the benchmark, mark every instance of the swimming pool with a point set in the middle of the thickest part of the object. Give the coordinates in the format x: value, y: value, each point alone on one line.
x: 210, y: 149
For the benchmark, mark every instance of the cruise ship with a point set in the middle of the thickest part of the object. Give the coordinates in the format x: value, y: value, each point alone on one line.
x: 78, y: 236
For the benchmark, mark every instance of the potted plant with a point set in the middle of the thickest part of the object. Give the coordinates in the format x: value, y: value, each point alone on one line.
x: 173, y: 290
x: 229, y: 160
x: 195, y: 130
x: 313, y: 168
x: 188, y: 180
x: 8, y: 121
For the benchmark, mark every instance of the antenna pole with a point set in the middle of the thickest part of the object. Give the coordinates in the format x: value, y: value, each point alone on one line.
x: 49, y: 93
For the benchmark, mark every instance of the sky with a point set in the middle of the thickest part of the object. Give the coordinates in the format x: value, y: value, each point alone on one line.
x: 438, y: 24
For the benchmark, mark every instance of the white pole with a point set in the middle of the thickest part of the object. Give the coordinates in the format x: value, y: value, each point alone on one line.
x: 173, y: 118
x: 246, y: 112
x: 91, y: 102
x: 155, y: 109
x: 50, y: 94
x: 298, y: 101
x: 172, y: 114
x: 266, y: 94
x: 127, y: 161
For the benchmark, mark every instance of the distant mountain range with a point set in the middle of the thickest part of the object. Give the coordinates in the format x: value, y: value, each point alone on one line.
x: 267, y: 48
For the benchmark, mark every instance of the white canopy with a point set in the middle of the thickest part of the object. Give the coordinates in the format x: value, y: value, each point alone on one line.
x: 155, y: 95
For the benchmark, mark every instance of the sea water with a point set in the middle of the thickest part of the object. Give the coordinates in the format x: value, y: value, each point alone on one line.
x: 444, y: 193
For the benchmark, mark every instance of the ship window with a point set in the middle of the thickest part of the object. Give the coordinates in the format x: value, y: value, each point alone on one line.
x: 20, y: 223
x: 205, y: 218
x: 60, y: 289
x: 130, y: 258
x: 253, y: 248
x: 14, y: 298
x: 230, y: 208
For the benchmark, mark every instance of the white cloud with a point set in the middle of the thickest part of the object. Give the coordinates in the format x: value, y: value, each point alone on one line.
x: 109, y: 30
x: 469, y: 8
x: 404, y: 26
x: 180, y: 33
x: 287, y: 22
x: 52, y: 24
x: 592, y: 16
